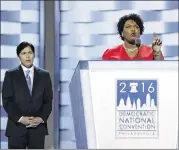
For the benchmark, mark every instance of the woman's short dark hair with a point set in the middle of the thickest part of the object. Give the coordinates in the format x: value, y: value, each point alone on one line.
x: 134, y: 17
x: 23, y: 45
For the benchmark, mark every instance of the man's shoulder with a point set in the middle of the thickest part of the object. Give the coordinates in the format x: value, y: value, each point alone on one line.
x: 13, y: 70
x: 41, y: 70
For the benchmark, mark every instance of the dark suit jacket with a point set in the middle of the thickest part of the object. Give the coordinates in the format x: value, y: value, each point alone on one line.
x: 18, y: 102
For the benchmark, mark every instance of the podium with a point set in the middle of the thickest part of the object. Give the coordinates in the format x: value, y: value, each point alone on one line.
x: 125, y: 104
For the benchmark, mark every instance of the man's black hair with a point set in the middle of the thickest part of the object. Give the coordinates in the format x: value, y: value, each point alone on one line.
x: 23, y: 45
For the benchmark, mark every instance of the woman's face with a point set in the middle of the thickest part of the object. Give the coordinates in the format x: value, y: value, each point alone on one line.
x: 131, y: 31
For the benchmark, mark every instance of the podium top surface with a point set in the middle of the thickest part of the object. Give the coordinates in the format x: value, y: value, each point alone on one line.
x: 98, y: 64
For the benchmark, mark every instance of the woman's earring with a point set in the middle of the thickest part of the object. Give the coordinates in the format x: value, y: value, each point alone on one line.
x: 122, y: 35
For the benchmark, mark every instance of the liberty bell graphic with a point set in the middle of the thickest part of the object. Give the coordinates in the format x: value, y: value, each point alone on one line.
x: 133, y: 86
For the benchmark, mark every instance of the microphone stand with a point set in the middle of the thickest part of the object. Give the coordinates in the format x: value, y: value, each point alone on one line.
x: 138, y: 56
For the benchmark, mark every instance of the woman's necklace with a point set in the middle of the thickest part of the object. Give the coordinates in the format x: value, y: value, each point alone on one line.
x: 130, y: 49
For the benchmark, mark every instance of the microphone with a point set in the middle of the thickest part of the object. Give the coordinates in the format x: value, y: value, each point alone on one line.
x: 137, y: 42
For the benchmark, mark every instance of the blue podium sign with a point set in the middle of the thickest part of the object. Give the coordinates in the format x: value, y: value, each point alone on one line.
x: 137, y: 109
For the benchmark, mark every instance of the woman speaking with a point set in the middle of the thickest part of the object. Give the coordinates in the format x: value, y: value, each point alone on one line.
x: 130, y: 27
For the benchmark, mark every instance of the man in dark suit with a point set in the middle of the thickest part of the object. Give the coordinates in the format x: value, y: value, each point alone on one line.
x: 27, y: 99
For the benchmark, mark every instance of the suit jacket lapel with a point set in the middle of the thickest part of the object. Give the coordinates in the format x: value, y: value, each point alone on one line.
x: 22, y: 80
x: 35, y: 80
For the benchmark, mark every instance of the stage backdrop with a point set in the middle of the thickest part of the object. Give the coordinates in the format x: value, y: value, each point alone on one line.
x: 20, y: 21
x: 87, y: 29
